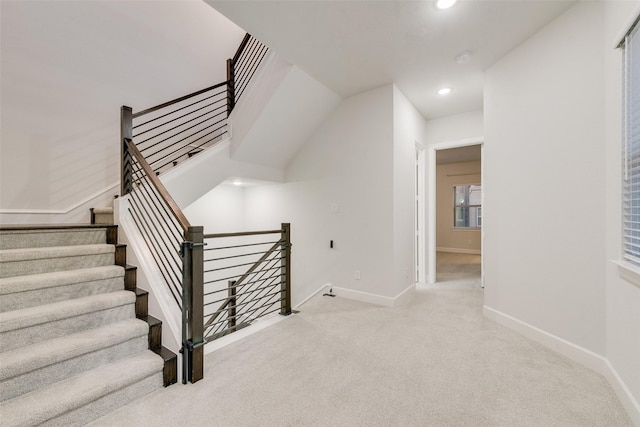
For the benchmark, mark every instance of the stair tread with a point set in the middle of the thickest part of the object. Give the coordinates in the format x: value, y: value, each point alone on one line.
x: 64, y: 396
x: 30, y: 282
x: 45, y: 353
x: 102, y: 210
x: 151, y: 321
x: 165, y: 353
x: 31, y: 316
x: 23, y: 254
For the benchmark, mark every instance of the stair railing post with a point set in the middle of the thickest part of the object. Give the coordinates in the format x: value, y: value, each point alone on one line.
x: 195, y: 294
x: 285, y: 269
x: 231, y: 324
x: 126, y: 132
x: 231, y: 87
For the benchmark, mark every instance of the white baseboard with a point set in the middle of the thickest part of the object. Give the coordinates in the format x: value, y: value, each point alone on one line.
x: 374, y: 298
x: 579, y: 354
x: 323, y: 288
x: 459, y: 250
x: 622, y: 391
x: 257, y: 326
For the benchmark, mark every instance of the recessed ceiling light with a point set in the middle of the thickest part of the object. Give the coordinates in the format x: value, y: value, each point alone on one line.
x: 445, y: 4
x: 464, y: 57
x: 444, y: 91
x: 237, y: 182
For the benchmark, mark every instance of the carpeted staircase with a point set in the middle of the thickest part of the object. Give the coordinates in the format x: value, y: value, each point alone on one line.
x: 76, y: 340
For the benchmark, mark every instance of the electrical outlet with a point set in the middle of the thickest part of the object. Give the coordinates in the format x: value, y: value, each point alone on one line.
x: 357, y: 275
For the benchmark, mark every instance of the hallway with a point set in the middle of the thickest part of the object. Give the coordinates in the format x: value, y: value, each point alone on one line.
x: 453, y: 269
x: 433, y: 361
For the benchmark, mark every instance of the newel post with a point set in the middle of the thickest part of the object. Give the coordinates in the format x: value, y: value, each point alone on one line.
x: 126, y: 132
x: 231, y: 87
x: 285, y: 269
x: 192, y: 305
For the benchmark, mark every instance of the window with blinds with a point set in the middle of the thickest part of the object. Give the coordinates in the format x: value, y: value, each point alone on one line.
x: 631, y: 187
x: 467, y: 206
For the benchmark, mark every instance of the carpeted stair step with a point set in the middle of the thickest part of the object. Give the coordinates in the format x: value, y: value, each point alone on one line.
x: 23, y: 327
x: 88, y: 396
x: 15, y: 262
x: 41, y: 364
x: 43, y: 237
x: 20, y: 292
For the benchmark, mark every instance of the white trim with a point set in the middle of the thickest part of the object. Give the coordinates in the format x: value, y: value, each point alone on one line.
x: 322, y: 288
x: 459, y: 250
x: 61, y: 211
x: 431, y: 215
x: 404, y: 295
x: 420, y: 221
x: 373, y: 298
x: 256, y: 326
x: 622, y: 391
x: 628, y: 271
x: 574, y: 352
x: 626, y: 27
x: 562, y: 346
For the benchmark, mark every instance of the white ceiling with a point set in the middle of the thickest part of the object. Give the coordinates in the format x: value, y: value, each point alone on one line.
x: 353, y: 46
x: 459, y: 155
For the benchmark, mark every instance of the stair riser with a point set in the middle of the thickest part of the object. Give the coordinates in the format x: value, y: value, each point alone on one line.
x: 33, y: 380
x: 17, y: 338
x: 103, y: 406
x: 33, y: 298
x: 103, y: 218
x: 47, y: 238
x: 38, y: 266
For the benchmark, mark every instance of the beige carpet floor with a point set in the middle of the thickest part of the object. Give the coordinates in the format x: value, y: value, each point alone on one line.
x: 435, y: 361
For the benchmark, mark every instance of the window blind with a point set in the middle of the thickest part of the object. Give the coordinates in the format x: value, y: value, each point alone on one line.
x: 631, y: 187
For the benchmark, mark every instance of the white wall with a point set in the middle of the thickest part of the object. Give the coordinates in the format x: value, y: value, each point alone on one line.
x: 543, y: 108
x: 622, y: 297
x: 408, y: 130
x: 221, y: 210
x: 448, y: 238
x: 454, y: 128
x: 67, y: 67
x: 347, y: 164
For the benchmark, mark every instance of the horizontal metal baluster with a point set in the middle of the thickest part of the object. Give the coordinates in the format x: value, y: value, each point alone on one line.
x: 244, y: 312
x: 207, y: 249
x: 183, y: 139
x: 172, y: 112
x: 140, y: 143
x: 173, y: 120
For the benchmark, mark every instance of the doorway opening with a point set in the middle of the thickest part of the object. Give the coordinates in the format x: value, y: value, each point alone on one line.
x: 456, y: 214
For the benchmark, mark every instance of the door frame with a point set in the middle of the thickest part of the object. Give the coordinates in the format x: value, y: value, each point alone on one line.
x: 431, y: 215
x: 420, y: 217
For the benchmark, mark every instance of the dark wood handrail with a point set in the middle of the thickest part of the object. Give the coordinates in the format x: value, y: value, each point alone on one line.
x: 243, y: 44
x: 241, y: 233
x: 173, y: 206
x: 175, y: 101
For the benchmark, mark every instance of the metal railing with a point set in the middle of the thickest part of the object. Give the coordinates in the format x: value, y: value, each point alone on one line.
x: 175, y: 246
x: 242, y: 67
x: 164, y: 136
x: 177, y: 130
x: 246, y: 276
